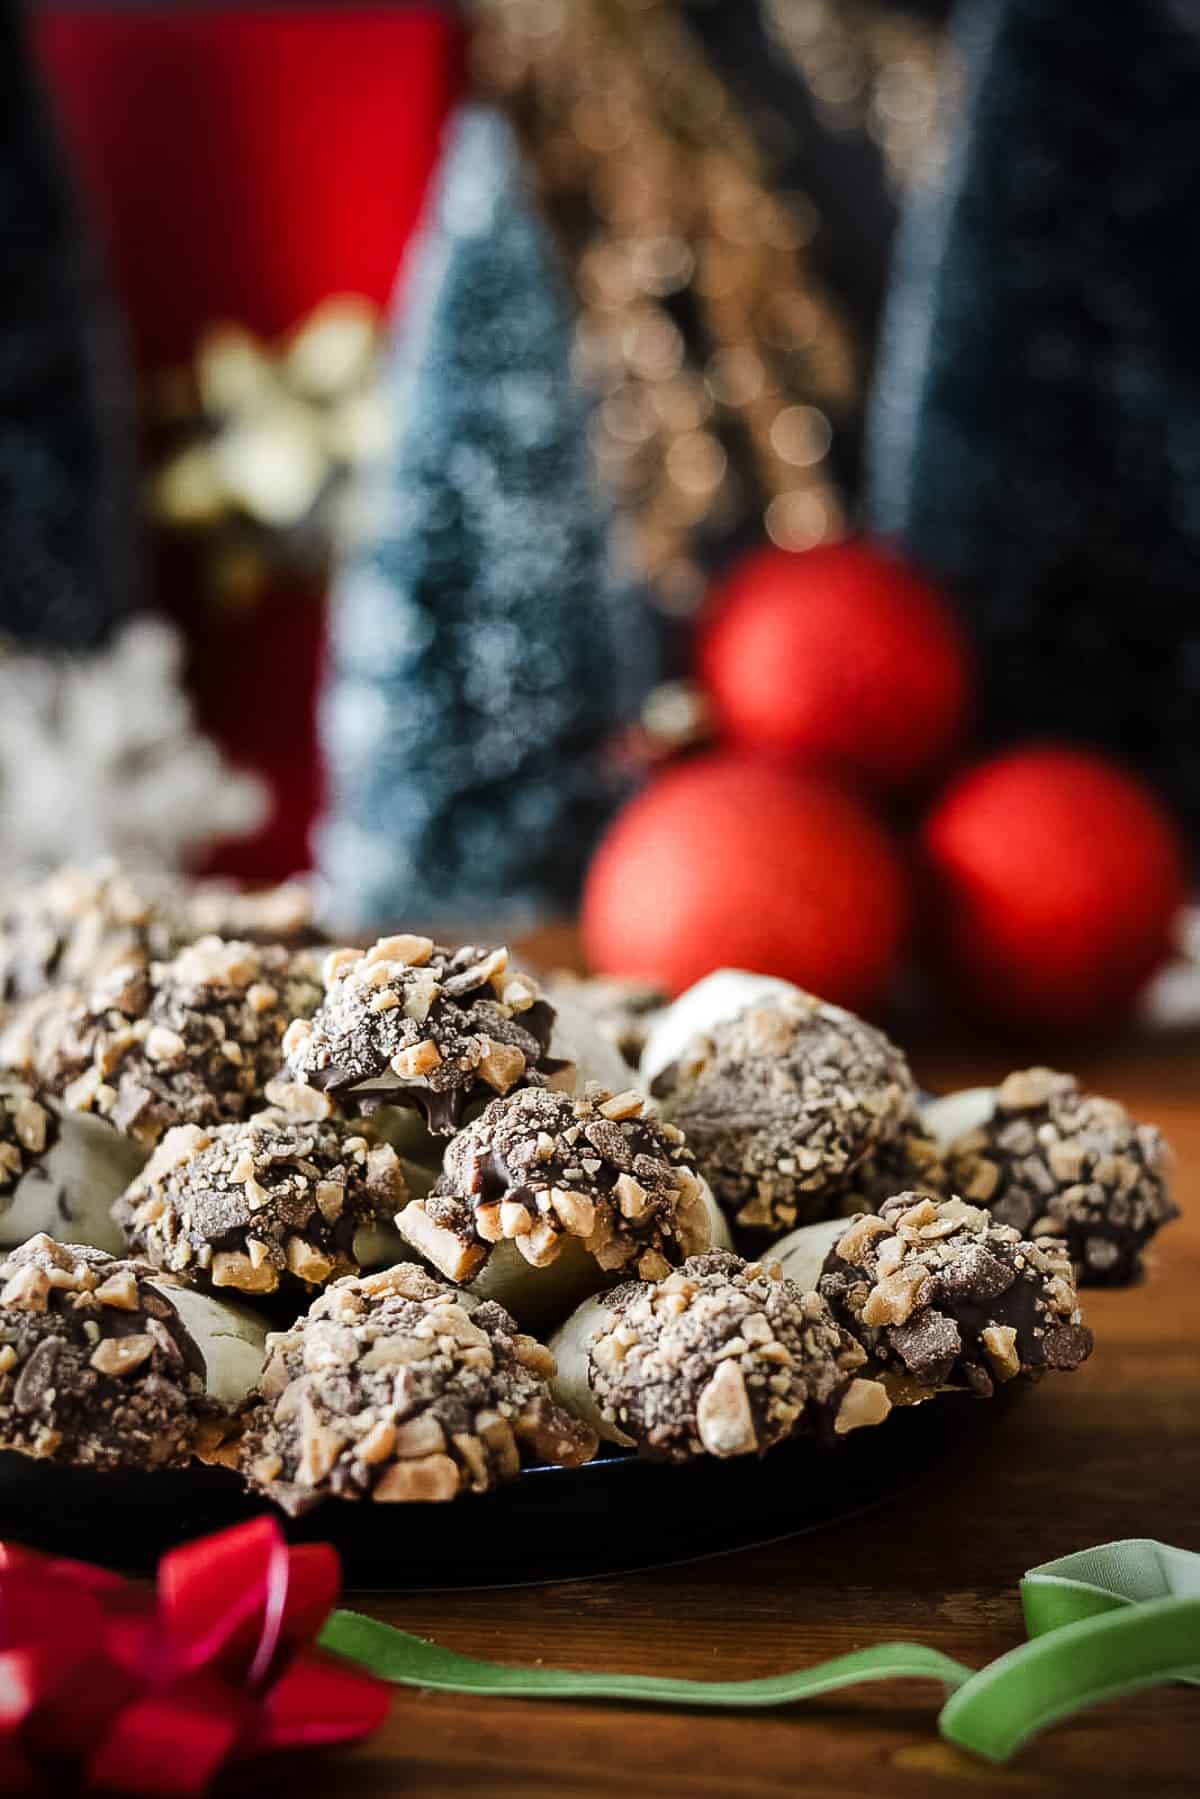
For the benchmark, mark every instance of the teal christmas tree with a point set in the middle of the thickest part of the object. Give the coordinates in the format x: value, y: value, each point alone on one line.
x: 483, y: 654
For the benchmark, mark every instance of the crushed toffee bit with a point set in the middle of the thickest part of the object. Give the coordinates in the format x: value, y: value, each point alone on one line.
x: 28, y: 1129
x: 782, y: 1103
x: 1056, y: 1161
x: 725, y: 1357
x: 275, y: 1200
x: 939, y: 1291
x: 539, y: 1167
x: 30, y: 1031
x: 410, y: 1023
x: 395, y: 1387
x: 96, y: 1367
x: 195, y: 1040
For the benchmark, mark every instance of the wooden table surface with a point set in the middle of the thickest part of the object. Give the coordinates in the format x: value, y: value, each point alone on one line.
x: 1111, y: 1451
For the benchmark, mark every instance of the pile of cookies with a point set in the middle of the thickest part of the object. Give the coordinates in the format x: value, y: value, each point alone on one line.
x: 386, y: 1223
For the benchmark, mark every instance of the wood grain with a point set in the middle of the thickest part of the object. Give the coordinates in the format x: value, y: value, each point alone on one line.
x: 1111, y: 1451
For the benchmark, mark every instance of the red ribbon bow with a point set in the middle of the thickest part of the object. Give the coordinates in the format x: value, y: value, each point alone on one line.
x: 153, y: 1693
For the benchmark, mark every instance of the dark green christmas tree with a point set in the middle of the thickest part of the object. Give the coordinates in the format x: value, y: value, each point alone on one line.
x: 483, y: 655
x: 68, y: 489
x: 1036, y: 439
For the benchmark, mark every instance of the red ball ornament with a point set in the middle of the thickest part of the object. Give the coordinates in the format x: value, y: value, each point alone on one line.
x: 1055, y: 879
x: 839, y: 654
x: 727, y: 862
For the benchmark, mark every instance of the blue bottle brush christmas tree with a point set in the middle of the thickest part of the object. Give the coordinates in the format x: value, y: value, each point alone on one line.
x: 483, y: 652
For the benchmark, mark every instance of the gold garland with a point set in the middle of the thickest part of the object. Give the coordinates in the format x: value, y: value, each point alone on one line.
x: 661, y: 196
x: 259, y: 443
x: 868, y: 68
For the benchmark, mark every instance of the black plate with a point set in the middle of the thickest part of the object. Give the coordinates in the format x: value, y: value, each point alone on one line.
x: 613, y: 1516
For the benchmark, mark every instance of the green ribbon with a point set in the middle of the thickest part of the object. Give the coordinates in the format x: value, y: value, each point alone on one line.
x: 1102, y: 1622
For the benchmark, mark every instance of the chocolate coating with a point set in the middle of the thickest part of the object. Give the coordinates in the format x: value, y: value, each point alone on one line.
x: 906, y: 1161
x: 1054, y: 1160
x: 939, y: 1291
x: 538, y: 1167
x: 395, y: 1387
x: 96, y: 1367
x: 275, y: 1200
x: 782, y: 1103
x: 410, y: 1023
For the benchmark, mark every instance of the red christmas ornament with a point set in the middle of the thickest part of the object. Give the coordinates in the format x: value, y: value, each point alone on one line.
x: 150, y: 1693
x: 725, y: 861
x: 1055, y: 879
x: 838, y: 654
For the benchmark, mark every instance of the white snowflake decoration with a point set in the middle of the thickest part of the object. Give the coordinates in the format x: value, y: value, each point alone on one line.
x: 99, y: 756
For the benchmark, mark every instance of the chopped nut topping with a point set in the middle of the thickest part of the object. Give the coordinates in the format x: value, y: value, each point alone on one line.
x: 28, y: 1288
x: 892, y: 1299
x: 1000, y: 1342
x: 408, y: 951
x: 162, y: 1045
x: 120, y: 1290
x: 500, y: 1065
x: 623, y: 1105
x: 724, y: 1421
x: 864, y: 1402
x: 231, y: 1268
x: 413, y: 1064
x: 429, y: 1477
x: 121, y: 1355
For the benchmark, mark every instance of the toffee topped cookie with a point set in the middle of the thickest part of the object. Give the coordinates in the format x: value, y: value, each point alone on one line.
x: 723, y: 1357
x: 274, y: 1200
x: 395, y: 1387
x: 195, y: 1040
x: 96, y: 1366
x: 782, y: 1099
x: 539, y: 1169
x: 940, y: 1292
x: 1053, y: 1160
x: 410, y: 1023
x: 68, y: 928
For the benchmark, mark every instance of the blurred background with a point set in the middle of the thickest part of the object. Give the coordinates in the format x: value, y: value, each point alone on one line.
x: 723, y: 471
